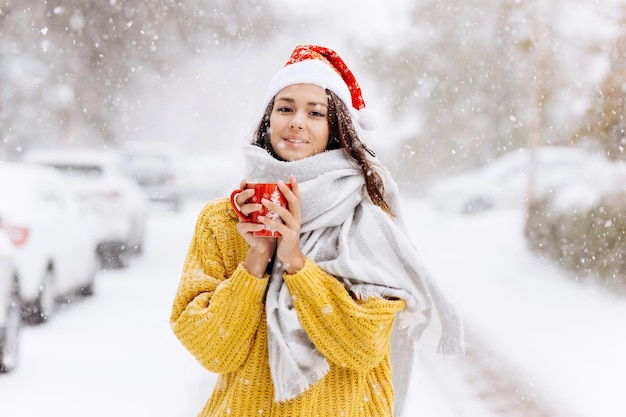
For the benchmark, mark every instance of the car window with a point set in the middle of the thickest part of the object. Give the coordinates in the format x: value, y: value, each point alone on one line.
x: 79, y: 170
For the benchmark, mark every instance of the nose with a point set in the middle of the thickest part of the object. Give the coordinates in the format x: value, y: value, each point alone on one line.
x: 296, y: 122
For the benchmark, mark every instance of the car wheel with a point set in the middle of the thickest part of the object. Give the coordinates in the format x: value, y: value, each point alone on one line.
x: 10, y: 334
x: 87, y: 289
x: 46, y: 302
x: 176, y: 205
x: 113, y: 255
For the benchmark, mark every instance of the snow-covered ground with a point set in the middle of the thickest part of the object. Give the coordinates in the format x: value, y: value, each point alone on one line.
x: 114, y: 354
x: 561, y: 339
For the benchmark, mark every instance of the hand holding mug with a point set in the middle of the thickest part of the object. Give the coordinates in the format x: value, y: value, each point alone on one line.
x: 288, y: 247
x: 287, y: 244
x: 256, y: 193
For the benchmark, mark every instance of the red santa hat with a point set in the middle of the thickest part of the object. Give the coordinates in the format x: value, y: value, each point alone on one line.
x: 311, y: 64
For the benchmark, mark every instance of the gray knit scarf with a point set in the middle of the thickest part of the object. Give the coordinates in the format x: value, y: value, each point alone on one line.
x: 349, y: 237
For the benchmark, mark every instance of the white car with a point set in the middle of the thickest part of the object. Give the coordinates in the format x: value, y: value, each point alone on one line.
x: 52, y: 234
x: 205, y: 176
x: 154, y: 167
x: 120, y: 204
x: 504, y: 182
x: 10, y: 306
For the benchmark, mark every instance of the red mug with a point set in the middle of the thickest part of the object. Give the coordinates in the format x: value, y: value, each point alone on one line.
x: 269, y: 191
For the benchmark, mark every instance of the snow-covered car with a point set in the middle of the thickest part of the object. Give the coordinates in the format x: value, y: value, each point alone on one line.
x: 205, y: 176
x: 119, y: 203
x: 505, y: 181
x: 52, y: 234
x: 10, y: 306
x: 154, y: 167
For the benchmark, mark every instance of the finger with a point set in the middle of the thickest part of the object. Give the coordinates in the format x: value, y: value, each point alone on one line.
x: 294, y: 202
x: 277, y: 209
x: 291, y: 194
x: 248, y: 208
x: 295, y: 188
x: 288, y: 224
x: 243, y: 196
x: 247, y: 228
x: 277, y: 225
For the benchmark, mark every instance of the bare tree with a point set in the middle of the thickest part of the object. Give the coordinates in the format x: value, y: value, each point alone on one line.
x: 538, y: 89
x: 65, y: 64
x: 604, y: 125
x: 460, y: 79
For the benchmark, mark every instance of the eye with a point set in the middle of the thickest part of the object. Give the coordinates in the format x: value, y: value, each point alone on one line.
x: 283, y: 109
x: 318, y: 114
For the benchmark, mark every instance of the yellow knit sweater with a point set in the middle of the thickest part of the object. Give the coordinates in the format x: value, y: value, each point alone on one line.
x: 219, y: 315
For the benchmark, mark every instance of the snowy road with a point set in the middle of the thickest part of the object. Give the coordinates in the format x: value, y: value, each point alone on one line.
x: 114, y: 353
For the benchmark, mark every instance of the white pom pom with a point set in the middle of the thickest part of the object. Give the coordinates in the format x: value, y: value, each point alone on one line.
x: 368, y: 119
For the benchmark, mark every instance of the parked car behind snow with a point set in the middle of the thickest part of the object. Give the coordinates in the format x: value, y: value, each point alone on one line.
x: 154, y: 168
x: 121, y: 206
x: 205, y: 176
x: 52, y: 234
x: 10, y: 318
x: 505, y: 181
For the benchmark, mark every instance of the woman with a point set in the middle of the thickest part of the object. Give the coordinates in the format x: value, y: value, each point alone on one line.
x: 301, y: 325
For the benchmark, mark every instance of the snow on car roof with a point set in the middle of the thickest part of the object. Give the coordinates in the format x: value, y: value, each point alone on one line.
x: 17, y: 173
x: 75, y: 156
x: 26, y: 182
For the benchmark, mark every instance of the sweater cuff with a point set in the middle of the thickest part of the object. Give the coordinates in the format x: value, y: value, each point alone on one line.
x: 246, y: 284
x: 307, y: 277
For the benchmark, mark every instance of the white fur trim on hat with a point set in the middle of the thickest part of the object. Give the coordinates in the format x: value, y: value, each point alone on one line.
x: 369, y: 119
x: 309, y: 72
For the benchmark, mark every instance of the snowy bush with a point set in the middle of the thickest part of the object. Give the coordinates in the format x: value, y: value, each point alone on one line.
x: 591, y: 241
x: 603, y: 126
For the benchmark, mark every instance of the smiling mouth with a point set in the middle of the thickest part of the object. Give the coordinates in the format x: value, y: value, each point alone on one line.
x: 296, y: 141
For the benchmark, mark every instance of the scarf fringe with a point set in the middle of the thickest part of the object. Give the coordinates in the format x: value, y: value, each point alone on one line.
x: 451, y: 346
x: 288, y: 390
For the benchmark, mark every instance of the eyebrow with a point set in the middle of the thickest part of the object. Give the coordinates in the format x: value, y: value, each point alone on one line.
x: 310, y: 103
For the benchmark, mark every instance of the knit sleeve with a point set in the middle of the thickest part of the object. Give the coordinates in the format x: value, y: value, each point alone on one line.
x: 351, y: 333
x: 216, y: 312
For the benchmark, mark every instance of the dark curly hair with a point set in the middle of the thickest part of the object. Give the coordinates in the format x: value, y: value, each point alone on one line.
x: 342, y: 135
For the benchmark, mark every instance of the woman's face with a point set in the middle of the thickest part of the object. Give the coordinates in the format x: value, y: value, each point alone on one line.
x: 299, y: 122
